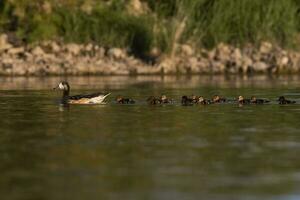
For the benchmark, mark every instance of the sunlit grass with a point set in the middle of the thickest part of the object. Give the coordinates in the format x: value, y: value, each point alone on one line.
x: 207, y: 23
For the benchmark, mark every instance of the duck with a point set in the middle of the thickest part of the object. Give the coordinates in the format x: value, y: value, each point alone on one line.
x: 94, y: 98
x: 195, y: 98
x: 242, y: 100
x: 186, y: 100
x: 153, y: 100
x: 283, y: 100
x: 218, y: 99
x: 165, y: 100
x: 122, y: 100
x: 254, y: 100
x: 203, y: 101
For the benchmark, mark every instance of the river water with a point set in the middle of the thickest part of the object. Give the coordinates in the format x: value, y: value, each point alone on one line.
x: 111, y: 151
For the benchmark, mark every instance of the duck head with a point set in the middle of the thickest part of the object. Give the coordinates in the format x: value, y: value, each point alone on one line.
x: 184, y: 99
x: 119, y: 98
x: 164, y: 98
x: 281, y: 98
x: 216, y: 98
x: 194, y: 97
x: 253, y: 98
x: 240, y: 99
x: 201, y: 99
x: 64, y: 86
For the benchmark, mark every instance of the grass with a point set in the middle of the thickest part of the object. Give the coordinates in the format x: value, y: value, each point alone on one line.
x: 109, y: 23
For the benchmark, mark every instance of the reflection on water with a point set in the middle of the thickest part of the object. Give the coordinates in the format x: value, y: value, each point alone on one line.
x: 149, y: 152
x: 118, y: 82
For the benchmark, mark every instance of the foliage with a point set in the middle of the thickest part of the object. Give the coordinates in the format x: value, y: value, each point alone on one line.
x: 110, y: 22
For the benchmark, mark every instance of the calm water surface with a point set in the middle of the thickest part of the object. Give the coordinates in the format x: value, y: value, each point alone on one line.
x: 111, y: 151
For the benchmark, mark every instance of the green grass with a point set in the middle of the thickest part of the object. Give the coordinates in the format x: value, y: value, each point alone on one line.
x: 208, y: 22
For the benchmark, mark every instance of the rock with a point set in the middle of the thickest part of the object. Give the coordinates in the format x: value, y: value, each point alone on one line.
x: 167, y: 66
x: 247, y: 64
x: 16, y: 50
x: 283, y: 61
x: 260, y: 67
x: 237, y: 54
x: 4, y: 44
x: 55, y: 47
x: 217, y: 67
x: 187, y: 50
x: 223, y: 52
x: 37, y: 51
x: 88, y: 47
x: 116, y: 53
x: 265, y: 47
x: 73, y: 49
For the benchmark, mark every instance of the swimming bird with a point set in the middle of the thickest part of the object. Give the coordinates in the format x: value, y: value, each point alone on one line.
x: 283, y: 100
x: 186, y: 101
x: 122, y: 100
x: 203, y: 101
x: 242, y: 100
x: 254, y: 100
x: 218, y: 99
x: 94, y: 98
x: 195, y: 99
x: 153, y: 100
x: 165, y: 100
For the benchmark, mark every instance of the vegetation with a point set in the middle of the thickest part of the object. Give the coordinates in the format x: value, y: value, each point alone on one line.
x: 153, y: 23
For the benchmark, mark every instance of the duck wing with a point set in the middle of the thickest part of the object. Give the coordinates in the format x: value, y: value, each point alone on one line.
x: 87, y: 96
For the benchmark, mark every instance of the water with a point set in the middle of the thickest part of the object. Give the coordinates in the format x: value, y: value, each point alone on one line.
x: 112, y: 151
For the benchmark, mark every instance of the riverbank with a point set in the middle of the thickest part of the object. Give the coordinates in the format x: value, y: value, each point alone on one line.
x: 55, y: 58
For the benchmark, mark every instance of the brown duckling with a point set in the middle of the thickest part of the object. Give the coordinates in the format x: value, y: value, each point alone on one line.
x: 122, y: 100
x: 186, y: 101
x: 194, y: 99
x: 203, y: 101
x: 283, y: 100
x: 165, y: 100
x: 254, y: 100
x: 154, y: 100
x: 218, y: 99
x: 242, y: 100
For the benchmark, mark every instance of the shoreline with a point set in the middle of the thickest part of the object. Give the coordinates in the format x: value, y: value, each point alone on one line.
x: 50, y: 58
x: 170, y: 81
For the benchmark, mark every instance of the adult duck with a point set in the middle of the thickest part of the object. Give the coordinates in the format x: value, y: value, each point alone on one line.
x: 94, y: 98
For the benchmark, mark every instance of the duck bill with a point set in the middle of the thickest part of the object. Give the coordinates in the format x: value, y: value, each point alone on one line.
x: 55, y: 88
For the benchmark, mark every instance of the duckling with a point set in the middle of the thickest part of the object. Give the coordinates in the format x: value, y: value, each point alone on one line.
x: 203, y: 101
x: 186, y: 101
x: 241, y: 100
x: 218, y: 99
x: 165, y: 100
x: 153, y: 100
x: 94, y: 98
x: 283, y: 100
x: 254, y: 100
x: 195, y: 99
x: 122, y: 100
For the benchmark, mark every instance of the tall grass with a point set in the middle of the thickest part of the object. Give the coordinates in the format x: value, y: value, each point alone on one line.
x: 206, y: 22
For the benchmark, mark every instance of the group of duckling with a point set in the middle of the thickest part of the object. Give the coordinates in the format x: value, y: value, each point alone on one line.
x: 97, y: 98
x: 191, y: 100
